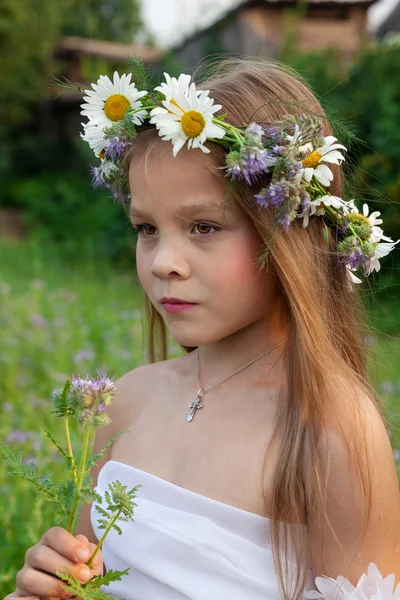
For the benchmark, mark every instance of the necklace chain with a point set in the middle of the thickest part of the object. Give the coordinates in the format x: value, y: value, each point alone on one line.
x: 196, y: 404
x: 232, y: 374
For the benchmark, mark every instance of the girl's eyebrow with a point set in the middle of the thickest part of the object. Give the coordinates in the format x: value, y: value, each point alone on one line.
x: 186, y: 210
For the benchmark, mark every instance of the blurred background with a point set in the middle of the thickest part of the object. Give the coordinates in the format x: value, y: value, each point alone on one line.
x: 69, y: 297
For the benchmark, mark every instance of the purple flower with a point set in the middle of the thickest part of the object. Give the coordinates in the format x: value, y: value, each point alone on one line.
x: 39, y: 321
x: 255, y: 162
x: 294, y: 168
x: 233, y: 165
x: 274, y: 195
x: 93, y: 387
x: 284, y: 221
x: 356, y: 258
x: 19, y: 436
x: 97, y: 180
x: 255, y: 129
x: 116, y: 149
x: 101, y: 408
x: 276, y: 134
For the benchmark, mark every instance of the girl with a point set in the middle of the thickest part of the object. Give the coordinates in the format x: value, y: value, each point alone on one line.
x: 263, y: 458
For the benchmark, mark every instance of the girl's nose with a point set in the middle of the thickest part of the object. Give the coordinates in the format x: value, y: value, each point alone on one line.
x: 169, y: 261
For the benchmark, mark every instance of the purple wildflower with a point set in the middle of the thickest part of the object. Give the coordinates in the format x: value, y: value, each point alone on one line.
x: 274, y: 195
x: 279, y: 150
x: 97, y: 180
x: 115, y: 149
x: 255, y: 129
x: 284, y: 221
x: 305, y: 199
x: 356, y: 258
x: 39, y: 321
x: 19, y: 436
x: 276, y: 134
x: 233, y: 165
x: 294, y: 168
x: 93, y: 387
x: 101, y: 408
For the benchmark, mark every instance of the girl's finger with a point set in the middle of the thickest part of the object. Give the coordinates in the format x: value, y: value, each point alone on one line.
x: 34, y: 583
x: 65, y: 544
x: 47, y: 559
x: 82, y: 538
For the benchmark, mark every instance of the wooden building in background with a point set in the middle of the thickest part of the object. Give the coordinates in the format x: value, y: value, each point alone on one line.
x: 261, y: 28
x: 60, y: 111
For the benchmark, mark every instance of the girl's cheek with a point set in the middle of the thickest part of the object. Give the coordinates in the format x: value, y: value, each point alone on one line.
x: 143, y: 270
x: 236, y: 267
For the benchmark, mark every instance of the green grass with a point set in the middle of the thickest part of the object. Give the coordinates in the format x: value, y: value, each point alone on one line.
x: 56, y: 319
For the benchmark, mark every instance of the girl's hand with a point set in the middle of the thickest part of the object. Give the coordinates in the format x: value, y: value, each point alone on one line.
x: 56, y: 551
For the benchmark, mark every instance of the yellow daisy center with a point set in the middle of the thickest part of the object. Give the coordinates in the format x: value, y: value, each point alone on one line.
x: 311, y: 161
x: 116, y: 106
x: 102, y: 154
x: 193, y: 123
x: 358, y: 219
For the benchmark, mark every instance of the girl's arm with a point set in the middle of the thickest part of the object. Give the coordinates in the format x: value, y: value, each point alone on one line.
x: 338, y: 551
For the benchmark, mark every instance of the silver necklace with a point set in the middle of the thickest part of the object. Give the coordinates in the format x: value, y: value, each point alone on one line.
x: 197, y: 404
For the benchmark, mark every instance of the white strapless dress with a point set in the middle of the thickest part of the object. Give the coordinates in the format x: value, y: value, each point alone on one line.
x: 183, y: 545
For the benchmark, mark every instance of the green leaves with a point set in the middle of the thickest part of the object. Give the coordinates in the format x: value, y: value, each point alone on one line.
x: 16, y: 468
x: 140, y: 73
x: 119, y: 504
x: 90, y: 590
x: 62, y: 406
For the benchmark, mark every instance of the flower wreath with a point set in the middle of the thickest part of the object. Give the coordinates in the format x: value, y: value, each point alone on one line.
x: 293, y: 152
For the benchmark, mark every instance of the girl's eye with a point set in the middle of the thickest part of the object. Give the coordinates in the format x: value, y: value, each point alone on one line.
x: 201, y: 227
x: 143, y: 228
x: 147, y: 230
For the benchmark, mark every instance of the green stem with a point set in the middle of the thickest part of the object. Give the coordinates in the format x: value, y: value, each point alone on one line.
x: 71, y: 454
x: 132, y: 112
x: 316, y: 186
x: 81, y: 473
x: 103, y: 537
x: 330, y: 209
x: 229, y: 128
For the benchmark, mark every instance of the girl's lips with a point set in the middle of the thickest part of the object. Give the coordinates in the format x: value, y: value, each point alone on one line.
x: 177, y: 307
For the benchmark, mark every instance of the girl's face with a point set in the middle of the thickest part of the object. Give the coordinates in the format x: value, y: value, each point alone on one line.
x: 186, y: 251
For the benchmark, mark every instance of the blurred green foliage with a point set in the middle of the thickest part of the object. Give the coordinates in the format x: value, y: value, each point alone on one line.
x: 29, y: 31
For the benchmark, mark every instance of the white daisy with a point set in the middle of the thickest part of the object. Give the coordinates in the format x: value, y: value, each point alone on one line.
x: 382, y: 249
x: 93, y: 135
x: 371, y: 585
x: 317, y: 207
x: 313, y: 163
x: 174, y: 87
x: 108, y: 169
x: 186, y: 117
x: 353, y: 277
x: 110, y: 100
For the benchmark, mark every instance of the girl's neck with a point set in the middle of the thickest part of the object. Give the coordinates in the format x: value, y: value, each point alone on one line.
x: 221, y: 358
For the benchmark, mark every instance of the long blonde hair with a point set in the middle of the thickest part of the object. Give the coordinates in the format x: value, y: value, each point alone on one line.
x: 324, y: 356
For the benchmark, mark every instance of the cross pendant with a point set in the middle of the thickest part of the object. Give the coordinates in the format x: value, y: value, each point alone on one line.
x: 195, y: 405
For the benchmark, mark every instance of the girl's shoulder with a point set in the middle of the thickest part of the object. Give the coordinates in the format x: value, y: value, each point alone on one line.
x: 137, y: 387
